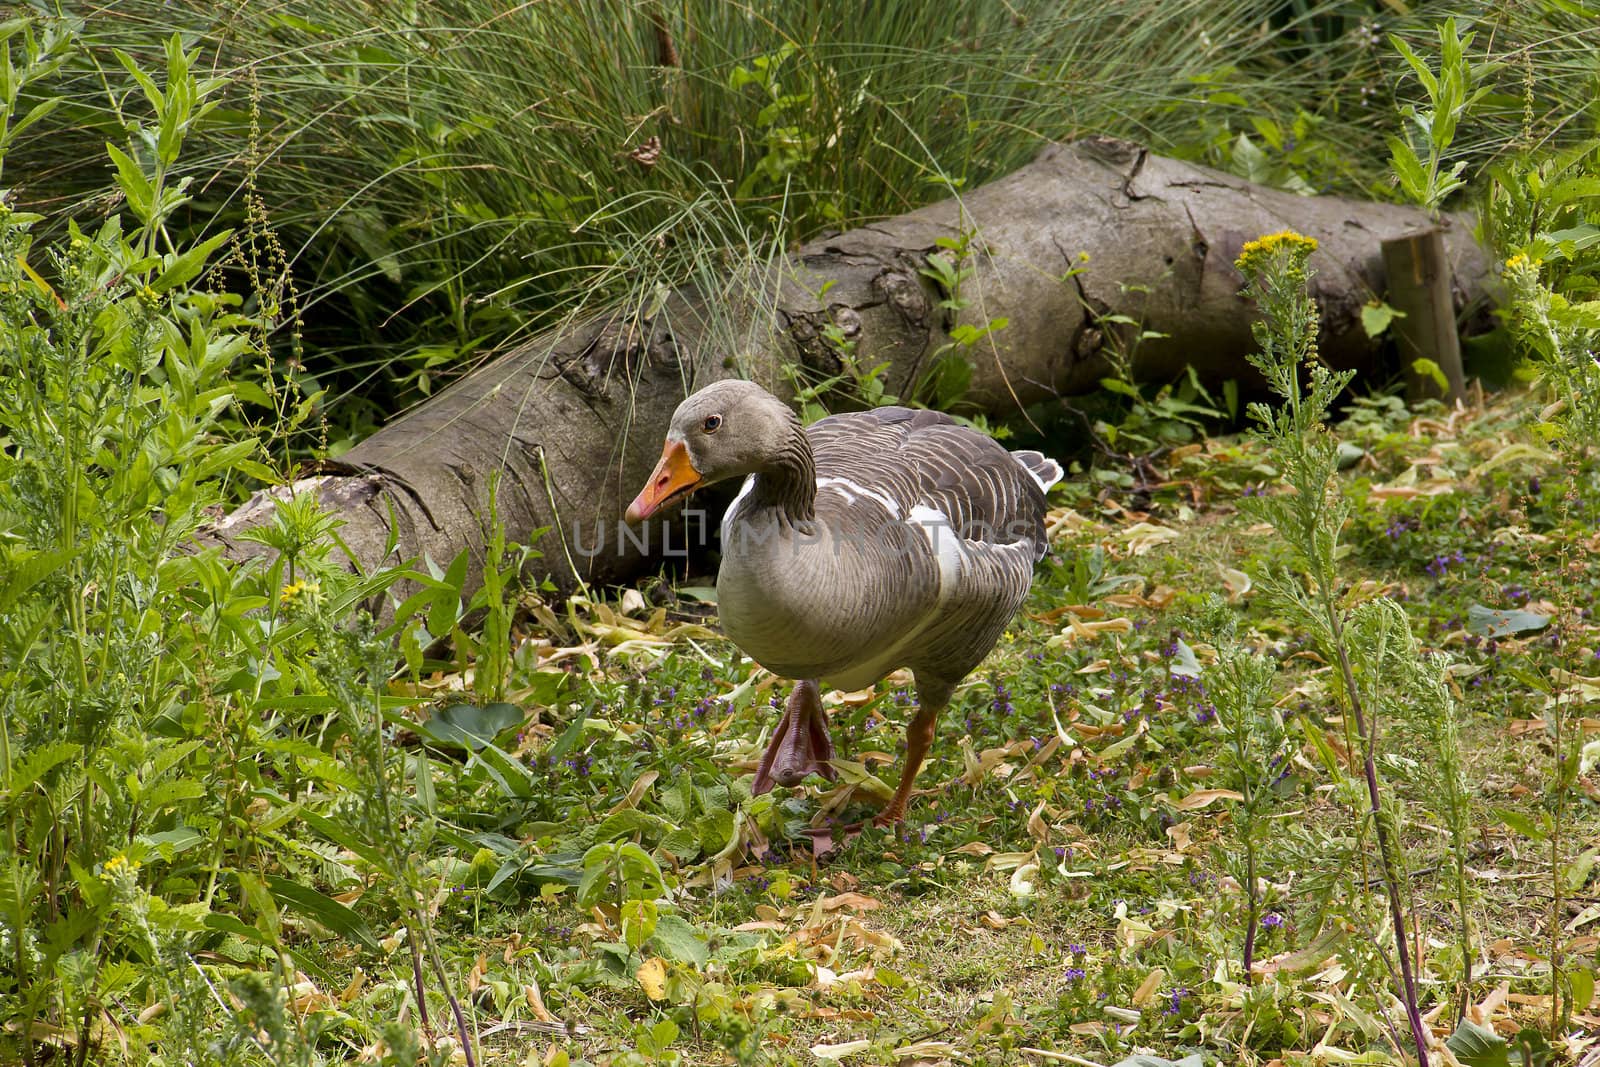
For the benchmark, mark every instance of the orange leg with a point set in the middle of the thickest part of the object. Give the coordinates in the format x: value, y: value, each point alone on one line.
x: 931, y: 700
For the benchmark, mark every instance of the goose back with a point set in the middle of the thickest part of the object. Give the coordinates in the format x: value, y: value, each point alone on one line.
x: 919, y: 550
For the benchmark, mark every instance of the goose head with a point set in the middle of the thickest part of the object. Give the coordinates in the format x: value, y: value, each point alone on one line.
x: 727, y: 430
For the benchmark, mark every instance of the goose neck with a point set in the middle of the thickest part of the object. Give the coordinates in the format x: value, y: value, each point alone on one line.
x: 788, y: 482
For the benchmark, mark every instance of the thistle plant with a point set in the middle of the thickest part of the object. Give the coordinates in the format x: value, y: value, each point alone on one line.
x: 1309, y: 516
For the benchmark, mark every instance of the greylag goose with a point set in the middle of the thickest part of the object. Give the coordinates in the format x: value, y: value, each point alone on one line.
x: 868, y: 542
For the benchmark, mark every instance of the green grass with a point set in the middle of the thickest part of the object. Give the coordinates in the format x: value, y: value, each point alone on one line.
x: 231, y: 816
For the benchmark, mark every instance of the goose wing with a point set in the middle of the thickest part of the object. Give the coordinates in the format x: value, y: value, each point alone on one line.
x: 923, y: 466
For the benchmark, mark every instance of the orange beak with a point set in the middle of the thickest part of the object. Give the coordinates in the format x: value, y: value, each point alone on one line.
x: 674, y: 475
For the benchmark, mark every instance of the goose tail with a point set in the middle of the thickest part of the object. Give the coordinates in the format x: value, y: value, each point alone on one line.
x: 1040, y: 467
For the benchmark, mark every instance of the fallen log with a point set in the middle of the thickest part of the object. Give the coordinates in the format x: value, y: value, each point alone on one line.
x: 1095, y: 248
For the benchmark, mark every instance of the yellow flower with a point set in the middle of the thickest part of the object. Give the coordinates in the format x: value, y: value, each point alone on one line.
x: 1255, y: 254
x: 1521, y: 261
x: 295, y: 590
x: 119, y: 863
x: 1282, y: 239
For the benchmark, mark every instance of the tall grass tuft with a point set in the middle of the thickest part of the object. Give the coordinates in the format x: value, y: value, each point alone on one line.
x: 450, y: 177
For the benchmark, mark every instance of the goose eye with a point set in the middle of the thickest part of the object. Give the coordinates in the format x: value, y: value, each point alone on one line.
x: 712, y: 423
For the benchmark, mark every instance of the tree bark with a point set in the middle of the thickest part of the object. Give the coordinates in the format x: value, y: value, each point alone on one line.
x: 1096, y: 247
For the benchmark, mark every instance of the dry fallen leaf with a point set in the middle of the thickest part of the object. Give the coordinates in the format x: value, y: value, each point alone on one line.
x: 652, y: 976
x: 353, y: 988
x: 1201, y: 797
x: 1148, y: 987
x: 1144, y: 536
x: 535, y: 998
x: 1237, y: 583
x: 840, y: 1051
x: 1037, y: 827
x: 641, y: 785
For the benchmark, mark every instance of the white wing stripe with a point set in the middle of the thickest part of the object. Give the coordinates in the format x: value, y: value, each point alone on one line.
x: 850, y: 490
x: 948, y: 550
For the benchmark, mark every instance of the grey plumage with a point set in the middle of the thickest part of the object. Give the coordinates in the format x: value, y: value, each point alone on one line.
x: 868, y: 542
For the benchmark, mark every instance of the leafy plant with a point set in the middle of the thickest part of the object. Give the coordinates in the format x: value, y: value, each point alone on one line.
x: 113, y: 382
x: 1309, y: 519
x: 1255, y: 755
x: 1451, y: 93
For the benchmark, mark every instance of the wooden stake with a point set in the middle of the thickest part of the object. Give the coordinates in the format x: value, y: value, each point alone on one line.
x: 1419, y: 286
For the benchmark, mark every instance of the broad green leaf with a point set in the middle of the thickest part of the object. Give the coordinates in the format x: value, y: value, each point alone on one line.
x: 545, y: 687
x: 152, y: 93
x: 568, y: 738
x: 168, y: 843
x: 33, y: 766
x: 1408, y: 168
x: 639, y: 918
x: 1522, y: 823
x: 186, y: 265
x: 1578, y: 871
x: 716, y: 830
x: 422, y: 776
x: 1376, y: 317
x: 631, y: 821
x: 235, y: 927
x: 1576, y: 238
x: 344, y: 837
x: 470, y: 727
x: 677, y: 940
x: 1580, y: 983
x: 134, y: 185
x: 337, y: 917
x: 513, y: 777
x: 1424, y: 367
x: 1424, y: 75
x: 1478, y: 1046
x: 37, y: 112
x: 684, y: 843
x: 1504, y: 622
x: 1251, y: 160
x: 165, y: 794
x: 625, y: 865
